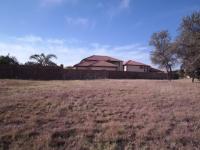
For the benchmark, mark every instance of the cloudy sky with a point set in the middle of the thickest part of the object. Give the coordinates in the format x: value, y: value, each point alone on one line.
x: 74, y: 29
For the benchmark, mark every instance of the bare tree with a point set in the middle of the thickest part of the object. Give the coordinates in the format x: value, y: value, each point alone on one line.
x: 43, y: 60
x: 163, y: 54
x: 188, y: 44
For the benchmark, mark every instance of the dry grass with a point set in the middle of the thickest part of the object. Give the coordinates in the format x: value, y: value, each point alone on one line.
x: 100, y: 114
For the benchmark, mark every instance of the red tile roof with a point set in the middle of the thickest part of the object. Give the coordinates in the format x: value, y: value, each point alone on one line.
x: 101, y: 58
x: 84, y: 64
x: 103, y: 64
x: 95, y: 64
x: 134, y: 63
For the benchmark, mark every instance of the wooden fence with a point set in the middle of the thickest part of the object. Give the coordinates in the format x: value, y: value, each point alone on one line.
x: 58, y: 73
x: 99, y: 74
x: 30, y: 72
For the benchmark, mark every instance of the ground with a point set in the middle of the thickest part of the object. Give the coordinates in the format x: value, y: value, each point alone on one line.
x: 99, y: 114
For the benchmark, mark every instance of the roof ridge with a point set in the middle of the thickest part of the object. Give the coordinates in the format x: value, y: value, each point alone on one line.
x: 101, y: 57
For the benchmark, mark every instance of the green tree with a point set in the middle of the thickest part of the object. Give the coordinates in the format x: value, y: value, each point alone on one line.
x: 8, y: 60
x: 163, y: 53
x: 42, y: 59
x: 188, y: 44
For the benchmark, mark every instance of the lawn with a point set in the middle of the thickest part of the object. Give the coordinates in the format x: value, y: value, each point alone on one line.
x: 99, y: 114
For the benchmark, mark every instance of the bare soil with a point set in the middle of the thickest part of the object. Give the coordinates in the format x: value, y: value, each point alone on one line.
x: 99, y: 115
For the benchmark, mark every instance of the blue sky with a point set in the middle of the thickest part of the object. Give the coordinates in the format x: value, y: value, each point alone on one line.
x: 74, y: 29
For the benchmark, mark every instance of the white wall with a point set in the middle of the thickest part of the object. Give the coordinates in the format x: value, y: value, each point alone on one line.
x: 118, y: 63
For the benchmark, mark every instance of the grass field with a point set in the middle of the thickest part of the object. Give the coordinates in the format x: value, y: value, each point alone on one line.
x: 99, y: 114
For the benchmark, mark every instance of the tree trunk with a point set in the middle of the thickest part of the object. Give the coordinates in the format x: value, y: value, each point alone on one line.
x: 170, y: 72
x: 167, y: 73
x: 193, y: 76
x: 168, y: 68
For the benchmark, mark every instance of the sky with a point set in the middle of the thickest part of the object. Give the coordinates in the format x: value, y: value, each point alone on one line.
x: 75, y: 29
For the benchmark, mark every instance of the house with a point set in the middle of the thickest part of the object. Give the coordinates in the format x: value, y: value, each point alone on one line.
x: 155, y: 70
x: 134, y: 66
x: 98, y: 62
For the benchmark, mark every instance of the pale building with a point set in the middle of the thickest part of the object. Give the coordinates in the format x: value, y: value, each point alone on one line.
x: 133, y: 66
x: 97, y: 62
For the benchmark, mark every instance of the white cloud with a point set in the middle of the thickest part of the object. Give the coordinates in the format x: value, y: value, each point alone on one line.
x: 79, y: 21
x: 22, y: 52
x: 30, y: 38
x: 125, y: 4
x: 70, y: 52
x: 50, y: 2
x: 56, y: 41
x: 118, y: 8
x: 56, y: 2
x: 135, y: 52
x: 100, y: 5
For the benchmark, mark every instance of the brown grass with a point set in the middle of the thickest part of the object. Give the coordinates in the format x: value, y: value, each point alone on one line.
x: 99, y: 114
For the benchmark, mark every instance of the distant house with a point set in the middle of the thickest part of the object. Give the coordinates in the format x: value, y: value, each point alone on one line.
x: 155, y: 70
x: 97, y: 62
x: 134, y: 66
